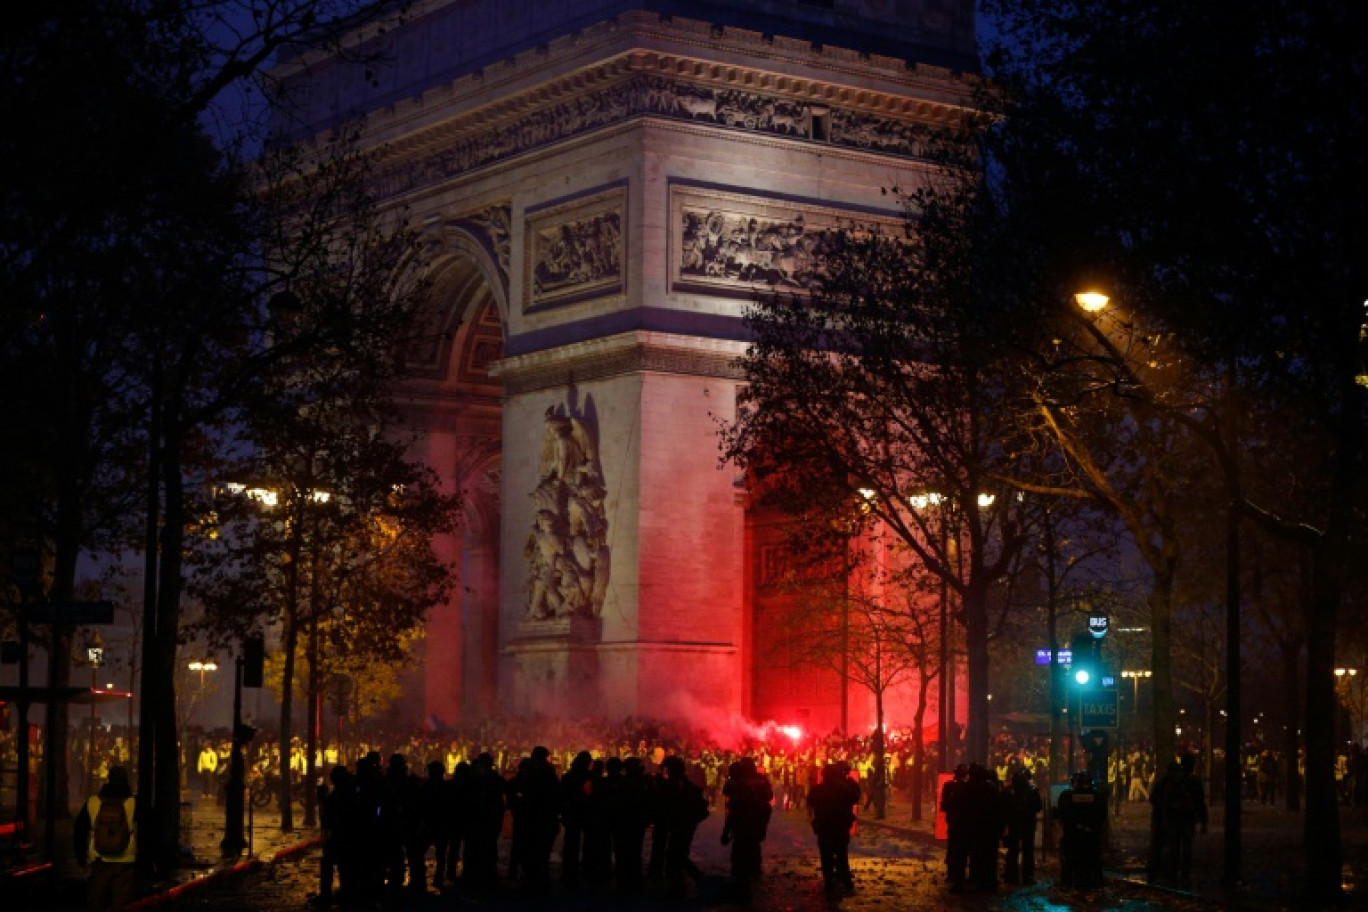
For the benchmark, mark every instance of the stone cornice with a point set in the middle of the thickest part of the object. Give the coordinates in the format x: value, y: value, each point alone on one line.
x: 729, y: 48
x: 627, y: 353
x: 935, y: 97
x: 646, y: 84
x: 646, y: 45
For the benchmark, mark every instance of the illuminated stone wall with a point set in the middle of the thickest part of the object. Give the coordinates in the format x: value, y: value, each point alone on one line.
x: 604, y: 186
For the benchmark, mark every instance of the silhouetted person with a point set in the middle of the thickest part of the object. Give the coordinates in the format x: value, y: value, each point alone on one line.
x: 985, y: 813
x: 748, y: 793
x: 401, y: 828
x: 458, y: 803
x: 680, y: 808
x: 1023, y: 809
x: 105, y: 837
x: 337, y: 813
x: 486, y: 821
x: 1181, y: 807
x: 598, y: 841
x: 369, y: 840
x: 630, y: 822
x: 957, y: 827
x: 575, y: 791
x: 434, y: 808
x: 1082, y: 814
x: 534, y: 798
x: 831, y: 805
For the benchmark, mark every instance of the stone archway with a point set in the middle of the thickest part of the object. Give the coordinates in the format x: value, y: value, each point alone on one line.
x: 451, y: 396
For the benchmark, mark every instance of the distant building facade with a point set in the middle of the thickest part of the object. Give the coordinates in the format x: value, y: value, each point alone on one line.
x: 604, y: 186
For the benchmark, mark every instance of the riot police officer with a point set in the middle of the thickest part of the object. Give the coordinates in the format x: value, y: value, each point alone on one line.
x: 1023, y: 807
x: 1082, y: 813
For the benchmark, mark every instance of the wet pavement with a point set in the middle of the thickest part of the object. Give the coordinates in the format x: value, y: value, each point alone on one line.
x: 896, y: 862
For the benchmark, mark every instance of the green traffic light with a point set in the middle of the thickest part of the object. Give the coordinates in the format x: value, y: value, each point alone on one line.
x: 1082, y: 676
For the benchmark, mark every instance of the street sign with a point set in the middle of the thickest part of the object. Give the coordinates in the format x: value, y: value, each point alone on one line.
x: 1098, y: 625
x: 1098, y: 709
x: 70, y: 613
x: 1043, y: 657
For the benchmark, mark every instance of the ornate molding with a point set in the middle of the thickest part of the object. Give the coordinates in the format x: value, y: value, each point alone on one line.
x: 640, y: 84
x: 493, y: 228
x: 623, y: 355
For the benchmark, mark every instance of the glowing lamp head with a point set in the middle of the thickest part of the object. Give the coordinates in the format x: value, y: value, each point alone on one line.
x: 1091, y: 301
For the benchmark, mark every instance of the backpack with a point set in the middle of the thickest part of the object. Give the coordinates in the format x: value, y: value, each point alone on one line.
x: 110, y: 831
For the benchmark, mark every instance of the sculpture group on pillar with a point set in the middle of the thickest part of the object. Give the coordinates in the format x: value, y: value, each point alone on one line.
x: 567, y: 548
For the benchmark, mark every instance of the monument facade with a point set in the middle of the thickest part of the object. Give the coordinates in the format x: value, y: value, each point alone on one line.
x: 604, y: 186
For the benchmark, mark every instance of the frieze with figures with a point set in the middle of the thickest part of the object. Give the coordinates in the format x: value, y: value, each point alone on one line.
x: 575, y: 249
x: 732, y: 243
x: 660, y: 96
x: 577, y: 255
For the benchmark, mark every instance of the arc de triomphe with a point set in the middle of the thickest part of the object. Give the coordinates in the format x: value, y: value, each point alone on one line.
x: 604, y: 186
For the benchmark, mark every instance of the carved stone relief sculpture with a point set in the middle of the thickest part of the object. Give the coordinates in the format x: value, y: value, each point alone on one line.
x: 567, y: 546
x: 576, y: 250
x: 735, y: 243
x: 662, y: 97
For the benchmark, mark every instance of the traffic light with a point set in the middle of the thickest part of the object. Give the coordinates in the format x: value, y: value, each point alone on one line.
x: 1086, y: 671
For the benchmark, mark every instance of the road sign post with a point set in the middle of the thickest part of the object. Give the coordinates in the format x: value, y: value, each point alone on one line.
x: 1098, y: 709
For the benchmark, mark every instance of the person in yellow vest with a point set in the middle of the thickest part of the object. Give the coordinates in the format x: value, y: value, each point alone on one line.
x: 207, y: 766
x: 105, y: 837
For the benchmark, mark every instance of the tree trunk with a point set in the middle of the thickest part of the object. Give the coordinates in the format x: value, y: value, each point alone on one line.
x: 148, y: 818
x: 880, y: 782
x: 290, y: 644
x: 167, y: 789
x: 976, y: 649
x: 1291, y: 738
x: 1321, y: 820
x: 919, y: 751
x: 311, y: 740
x: 1161, y: 659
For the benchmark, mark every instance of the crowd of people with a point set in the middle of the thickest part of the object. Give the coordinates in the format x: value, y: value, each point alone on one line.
x: 382, y: 824
x: 625, y: 810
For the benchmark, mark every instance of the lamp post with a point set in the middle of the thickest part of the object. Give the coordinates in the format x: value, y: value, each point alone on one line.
x: 95, y: 659
x: 944, y: 712
x: 1135, y: 677
x: 202, y: 667
x: 1350, y: 689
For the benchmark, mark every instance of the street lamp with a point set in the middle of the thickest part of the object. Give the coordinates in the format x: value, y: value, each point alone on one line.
x: 95, y: 659
x: 1135, y: 677
x: 944, y: 711
x: 203, y: 667
x: 1352, y: 697
x: 1091, y: 301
